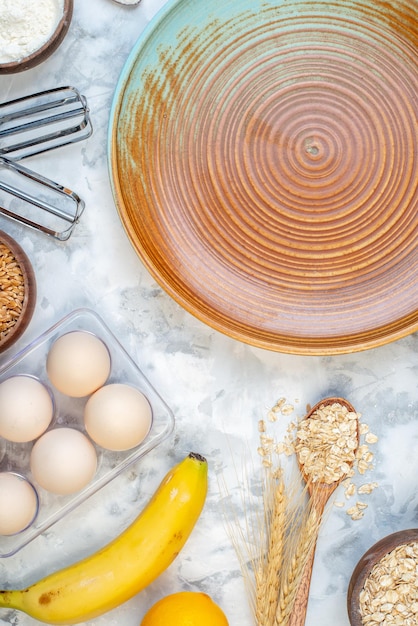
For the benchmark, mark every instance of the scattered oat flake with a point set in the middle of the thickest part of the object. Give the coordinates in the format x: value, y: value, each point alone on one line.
x: 279, y: 448
x: 367, y: 488
x: 363, y: 466
x: 362, y: 505
x: 266, y: 440
x: 262, y: 451
x: 355, y: 512
x: 371, y: 438
x: 261, y: 426
x: 350, y: 490
x: 278, y: 406
x: 287, y: 409
x: 286, y: 447
x: 351, y: 510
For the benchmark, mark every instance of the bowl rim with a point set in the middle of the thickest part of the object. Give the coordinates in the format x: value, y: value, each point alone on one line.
x: 42, y: 53
x: 365, y: 565
x: 29, y: 299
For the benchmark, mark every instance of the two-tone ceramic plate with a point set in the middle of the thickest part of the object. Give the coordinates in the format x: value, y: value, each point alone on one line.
x: 264, y: 163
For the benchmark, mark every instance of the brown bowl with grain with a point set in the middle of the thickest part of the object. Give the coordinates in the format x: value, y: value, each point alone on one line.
x: 17, y: 291
x: 384, y: 583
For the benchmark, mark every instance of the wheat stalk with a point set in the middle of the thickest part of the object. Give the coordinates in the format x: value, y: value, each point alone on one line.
x: 267, y: 591
x: 267, y: 539
x: 275, y: 540
x: 298, y: 553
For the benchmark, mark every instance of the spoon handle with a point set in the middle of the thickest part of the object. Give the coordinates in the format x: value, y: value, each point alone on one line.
x: 298, y: 616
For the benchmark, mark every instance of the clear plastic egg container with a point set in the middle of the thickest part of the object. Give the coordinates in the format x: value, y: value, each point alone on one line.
x: 14, y: 457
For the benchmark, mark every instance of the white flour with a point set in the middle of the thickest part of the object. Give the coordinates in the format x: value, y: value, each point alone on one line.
x: 25, y: 25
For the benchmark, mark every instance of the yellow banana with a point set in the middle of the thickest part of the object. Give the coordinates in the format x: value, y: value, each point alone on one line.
x: 127, y: 564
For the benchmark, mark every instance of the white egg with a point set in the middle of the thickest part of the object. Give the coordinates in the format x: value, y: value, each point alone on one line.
x: 26, y: 408
x: 118, y: 417
x: 78, y: 363
x: 63, y: 461
x: 18, y: 503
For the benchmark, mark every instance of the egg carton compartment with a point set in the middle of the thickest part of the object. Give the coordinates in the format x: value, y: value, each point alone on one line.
x: 14, y: 457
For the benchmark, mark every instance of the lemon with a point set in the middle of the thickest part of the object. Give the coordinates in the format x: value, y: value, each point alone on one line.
x: 185, y: 608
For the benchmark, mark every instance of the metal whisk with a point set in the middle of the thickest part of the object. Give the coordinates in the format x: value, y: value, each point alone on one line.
x: 32, y: 125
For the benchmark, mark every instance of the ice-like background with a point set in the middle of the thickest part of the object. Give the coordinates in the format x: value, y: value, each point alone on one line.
x: 218, y: 388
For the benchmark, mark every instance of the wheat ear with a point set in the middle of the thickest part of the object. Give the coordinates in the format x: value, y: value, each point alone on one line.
x: 268, y: 591
x: 298, y: 558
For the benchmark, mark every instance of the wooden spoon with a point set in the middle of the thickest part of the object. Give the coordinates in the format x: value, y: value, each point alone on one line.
x: 319, y: 494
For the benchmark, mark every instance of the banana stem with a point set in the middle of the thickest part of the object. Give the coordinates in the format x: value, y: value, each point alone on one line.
x: 10, y: 599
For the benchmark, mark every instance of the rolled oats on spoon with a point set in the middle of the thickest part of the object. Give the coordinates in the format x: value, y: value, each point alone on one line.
x: 327, y: 439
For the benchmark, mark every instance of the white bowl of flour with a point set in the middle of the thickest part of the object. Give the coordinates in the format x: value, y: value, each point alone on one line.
x: 30, y: 31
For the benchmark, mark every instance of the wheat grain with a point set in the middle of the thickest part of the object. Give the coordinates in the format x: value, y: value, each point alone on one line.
x: 12, y: 291
x: 267, y: 594
x: 300, y: 549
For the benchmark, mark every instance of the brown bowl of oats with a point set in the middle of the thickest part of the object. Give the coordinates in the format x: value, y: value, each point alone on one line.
x: 384, y: 583
x: 17, y: 291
